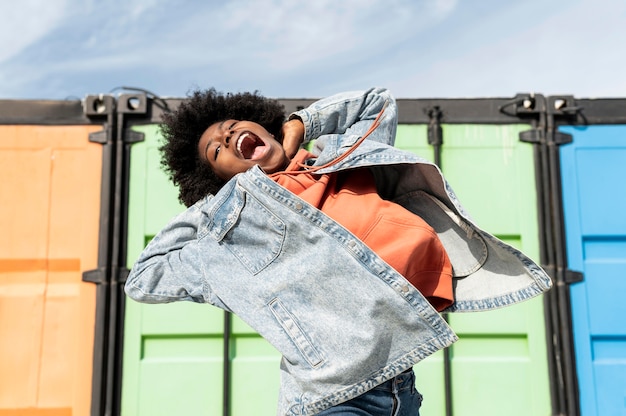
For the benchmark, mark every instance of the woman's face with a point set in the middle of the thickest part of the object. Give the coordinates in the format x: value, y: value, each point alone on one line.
x: 231, y: 147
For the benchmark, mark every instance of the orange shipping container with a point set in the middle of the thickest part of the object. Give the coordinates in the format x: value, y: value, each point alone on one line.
x: 49, y: 222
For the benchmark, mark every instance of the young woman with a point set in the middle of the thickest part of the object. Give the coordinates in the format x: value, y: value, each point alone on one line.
x: 341, y: 257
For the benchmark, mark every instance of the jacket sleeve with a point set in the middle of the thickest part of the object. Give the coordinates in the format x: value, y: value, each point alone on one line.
x: 167, y: 270
x: 351, y: 113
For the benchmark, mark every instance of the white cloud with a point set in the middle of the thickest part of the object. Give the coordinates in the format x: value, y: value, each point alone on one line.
x: 292, y: 34
x: 289, y: 48
x: 273, y: 35
x: 575, y: 51
x: 240, y: 39
x: 27, y: 21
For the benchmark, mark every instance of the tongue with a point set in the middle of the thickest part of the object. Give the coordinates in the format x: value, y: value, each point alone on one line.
x: 258, y: 151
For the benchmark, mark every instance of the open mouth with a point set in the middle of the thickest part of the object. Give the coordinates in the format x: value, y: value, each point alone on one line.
x: 250, y: 146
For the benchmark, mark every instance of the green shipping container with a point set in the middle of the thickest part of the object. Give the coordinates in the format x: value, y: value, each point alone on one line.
x: 174, y: 354
x: 499, y: 365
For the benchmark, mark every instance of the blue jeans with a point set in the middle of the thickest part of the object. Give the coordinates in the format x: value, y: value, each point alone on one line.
x: 396, y: 397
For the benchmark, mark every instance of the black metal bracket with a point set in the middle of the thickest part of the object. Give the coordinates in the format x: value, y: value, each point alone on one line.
x: 132, y: 103
x: 132, y: 136
x: 537, y: 135
x: 547, y: 114
x: 563, y: 105
x: 573, y: 276
x: 547, y: 110
x: 98, y: 105
x: 110, y: 277
x: 562, y: 108
x: 523, y: 104
x: 98, y: 137
x: 562, y: 138
x: 122, y: 275
x: 98, y: 276
x: 534, y: 136
x: 435, y: 132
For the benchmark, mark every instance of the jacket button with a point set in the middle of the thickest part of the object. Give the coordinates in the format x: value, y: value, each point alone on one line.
x: 404, y: 288
x: 298, y: 206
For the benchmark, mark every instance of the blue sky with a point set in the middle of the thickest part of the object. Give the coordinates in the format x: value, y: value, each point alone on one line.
x: 58, y: 49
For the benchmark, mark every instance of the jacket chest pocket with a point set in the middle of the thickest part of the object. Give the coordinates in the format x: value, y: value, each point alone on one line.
x: 252, y: 233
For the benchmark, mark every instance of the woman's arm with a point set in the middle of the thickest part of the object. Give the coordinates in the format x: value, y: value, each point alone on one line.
x: 351, y: 113
x: 168, y: 268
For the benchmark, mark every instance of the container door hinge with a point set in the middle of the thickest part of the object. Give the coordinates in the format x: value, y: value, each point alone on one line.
x: 132, y: 136
x: 98, y: 137
x: 122, y: 274
x: 573, y: 276
x: 536, y: 136
x: 562, y: 138
x: 95, y: 276
x: 532, y: 136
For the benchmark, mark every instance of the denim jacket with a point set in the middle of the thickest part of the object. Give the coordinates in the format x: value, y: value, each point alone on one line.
x: 343, y: 320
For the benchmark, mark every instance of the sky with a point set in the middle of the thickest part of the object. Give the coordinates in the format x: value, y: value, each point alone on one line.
x: 67, y: 49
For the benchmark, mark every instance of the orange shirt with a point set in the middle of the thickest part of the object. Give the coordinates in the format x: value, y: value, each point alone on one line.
x: 402, y: 239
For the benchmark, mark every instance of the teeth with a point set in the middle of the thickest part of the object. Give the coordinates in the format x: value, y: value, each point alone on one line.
x: 241, y: 138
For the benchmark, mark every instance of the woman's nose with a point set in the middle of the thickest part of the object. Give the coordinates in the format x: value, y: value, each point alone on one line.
x: 229, y: 134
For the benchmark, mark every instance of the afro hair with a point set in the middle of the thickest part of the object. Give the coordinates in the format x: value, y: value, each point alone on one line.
x: 183, y: 128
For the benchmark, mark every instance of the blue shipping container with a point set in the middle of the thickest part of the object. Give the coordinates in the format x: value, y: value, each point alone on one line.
x: 593, y: 170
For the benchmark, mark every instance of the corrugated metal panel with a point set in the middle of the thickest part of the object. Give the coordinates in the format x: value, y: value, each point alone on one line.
x: 172, y: 353
x: 255, y: 376
x: 499, y: 365
x: 49, y: 216
x: 593, y: 170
